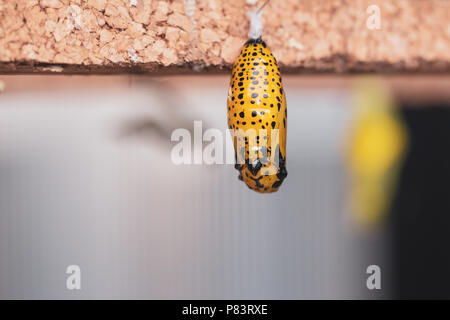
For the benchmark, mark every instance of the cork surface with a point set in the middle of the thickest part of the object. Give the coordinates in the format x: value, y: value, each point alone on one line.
x: 144, y: 36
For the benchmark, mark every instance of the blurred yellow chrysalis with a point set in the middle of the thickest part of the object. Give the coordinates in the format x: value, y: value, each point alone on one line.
x: 378, y: 142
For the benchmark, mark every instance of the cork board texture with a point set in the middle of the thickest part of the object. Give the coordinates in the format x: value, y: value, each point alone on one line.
x: 151, y: 36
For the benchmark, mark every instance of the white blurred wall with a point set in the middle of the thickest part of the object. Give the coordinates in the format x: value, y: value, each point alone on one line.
x: 76, y: 187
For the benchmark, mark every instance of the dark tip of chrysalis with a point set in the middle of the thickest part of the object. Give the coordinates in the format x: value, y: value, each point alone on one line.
x: 256, y: 41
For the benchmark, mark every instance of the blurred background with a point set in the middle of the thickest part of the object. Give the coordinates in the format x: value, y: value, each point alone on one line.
x: 86, y: 178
